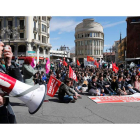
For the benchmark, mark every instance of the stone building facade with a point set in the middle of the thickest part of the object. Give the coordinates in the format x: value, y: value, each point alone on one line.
x: 133, y: 37
x: 29, y: 34
x: 89, y: 40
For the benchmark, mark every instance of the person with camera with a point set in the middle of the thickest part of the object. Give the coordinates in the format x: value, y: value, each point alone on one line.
x: 6, y: 112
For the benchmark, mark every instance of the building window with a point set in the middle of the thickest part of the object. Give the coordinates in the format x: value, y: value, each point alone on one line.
x: 90, y: 34
x: 21, y: 24
x: 21, y: 35
x: 10, y: 24
x: 34, y: 24
x: 86, y: 42
x: 82, y: 43
x: 90, y: 42
x: 34, y: 36
x: 43, y: 39
x: 97, y: 42
x: 44, y: 18
x: 133, y: 20
x: 43, y: 28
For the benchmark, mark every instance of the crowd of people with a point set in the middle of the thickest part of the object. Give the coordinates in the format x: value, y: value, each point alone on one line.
x: 92, y: 81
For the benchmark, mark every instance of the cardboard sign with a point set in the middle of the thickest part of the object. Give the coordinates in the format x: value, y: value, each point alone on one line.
x: 114, y: 99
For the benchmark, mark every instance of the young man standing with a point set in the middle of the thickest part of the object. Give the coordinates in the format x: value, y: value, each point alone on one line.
x: 6, y: 112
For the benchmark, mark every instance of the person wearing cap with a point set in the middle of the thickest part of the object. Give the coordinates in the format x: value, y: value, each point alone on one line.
x: 6, y: 112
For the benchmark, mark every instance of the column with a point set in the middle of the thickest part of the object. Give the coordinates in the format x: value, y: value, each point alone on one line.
x: 37, y: 54
x: 16, y: 50
x: 93, y: 47
x: 29, y: 28
x: 44, y: 54
x: 100, y: 48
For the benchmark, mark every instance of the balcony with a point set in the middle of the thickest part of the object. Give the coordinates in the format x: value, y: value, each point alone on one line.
x: 35, y: 30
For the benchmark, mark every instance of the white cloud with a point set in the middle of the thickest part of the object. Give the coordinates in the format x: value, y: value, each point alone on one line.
x: 113, y: 24
x: 54, y: 38
x: 62, y: 25
x: 107, y: 45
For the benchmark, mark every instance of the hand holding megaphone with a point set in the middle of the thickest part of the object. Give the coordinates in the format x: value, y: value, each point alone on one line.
x: 32, y: 96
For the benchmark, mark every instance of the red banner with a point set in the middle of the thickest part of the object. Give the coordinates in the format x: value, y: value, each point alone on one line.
x: 95, y: 63
x: 115, y: 68
x: 78, y: 63
x: 89, y: 58
x: 52, y: 86
x: 115, y: 99
x: 72, y: 75
x: 65, y: 63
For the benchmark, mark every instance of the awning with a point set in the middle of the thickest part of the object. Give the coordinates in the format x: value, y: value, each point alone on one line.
x: 132, y: 59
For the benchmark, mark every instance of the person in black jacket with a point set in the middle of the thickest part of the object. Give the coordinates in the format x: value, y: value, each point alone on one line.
x: 65, y: 94
x: 106, y: 85
x: 6, y: 112
x: 120, y: 88
x: 95, y: 88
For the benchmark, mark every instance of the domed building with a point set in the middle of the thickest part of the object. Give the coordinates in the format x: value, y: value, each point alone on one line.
x: 89, y: 40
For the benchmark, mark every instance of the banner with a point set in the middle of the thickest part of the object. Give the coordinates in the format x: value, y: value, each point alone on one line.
x: 32, y: 63
x: 89, y: 58
x: 87, y: 63
x: 95, y: 63
x: 53, y: 86
x: 72, y: 75
x: 115, y: 99
x: 65, y: 63
x: 115, y: 68
x: 78, y: 63
x: 47, y: 67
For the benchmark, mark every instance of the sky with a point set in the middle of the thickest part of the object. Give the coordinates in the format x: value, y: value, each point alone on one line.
x: 62, y: 29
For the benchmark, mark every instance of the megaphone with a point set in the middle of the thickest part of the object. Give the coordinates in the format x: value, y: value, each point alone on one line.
x: 32, y: 96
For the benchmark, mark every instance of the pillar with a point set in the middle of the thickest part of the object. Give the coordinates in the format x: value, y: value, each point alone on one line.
x: 29, y: 28
x: 44, y: 54
x: 38, y: 53
x: 16, y: 50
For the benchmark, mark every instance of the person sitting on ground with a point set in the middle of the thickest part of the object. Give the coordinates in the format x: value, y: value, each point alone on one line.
x: 64, y: 94
x: 137, y: 83
x: 94, y: 88
x: 120, y: 89
x: 106, y: 86
x: 128, y: 87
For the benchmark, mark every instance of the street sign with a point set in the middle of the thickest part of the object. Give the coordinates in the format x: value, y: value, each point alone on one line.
x: 31, y: 53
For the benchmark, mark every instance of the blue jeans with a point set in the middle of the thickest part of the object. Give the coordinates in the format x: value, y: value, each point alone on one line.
x: 68, y: 98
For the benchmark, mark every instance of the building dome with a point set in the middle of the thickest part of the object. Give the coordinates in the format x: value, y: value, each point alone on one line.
x: 89, y: 39
x: 89, y: 25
